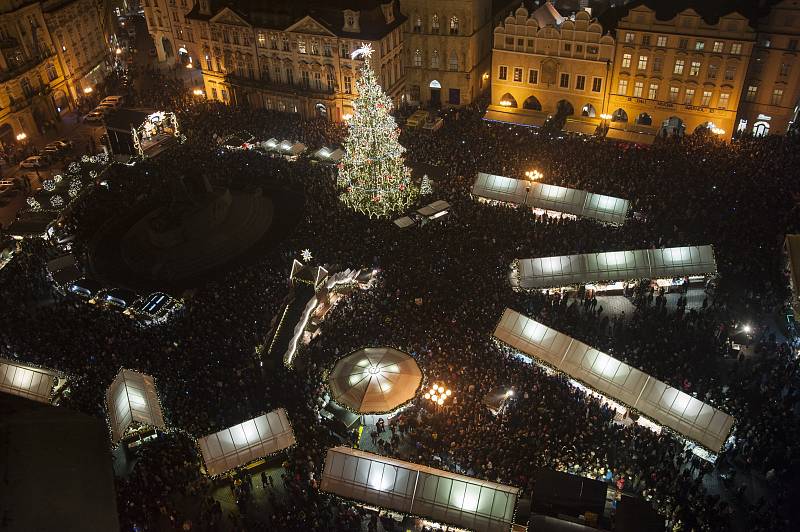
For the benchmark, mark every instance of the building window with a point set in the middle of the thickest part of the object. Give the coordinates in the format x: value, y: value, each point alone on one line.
x: 453, y: 25
x: 597, y: 84
x: 723, y: 100
x: 301, y: 46
x: 435, y: 24
x: 510, y: 42
x: 630, y: 37
x: 273, y: 41
x: 638, y: 87
x: 694, y: 70
x: 290, y: 76
x: 314, y: 47
x: 730, y: 73
x: 645, y: 40
x: 705, y: 101
x: 517, y: 74
x: 304, y: 78
x: 326, y: 49
x: 262, y: 39
x: 564, y: 80
x: 579, y: 48
x: 417, y: 58
x: 736, y: 48
x: 502, y: 73
x: 622, y: 87
x: 652, y: 92
x: 699, y: 46
x: 642, y: 62
x: 580, y: 82
x: 348, y: 85
x: 626, y: 60
x: 688, y: 96
x: 51, y: 71
x: 718, y: 45
x: 453, y: 65
x: 533, y: 76
x: 285, y: 43
x: 567, y: 47
x: 318, y: 81
x: 415, y: 93
x: 658, y: 62
x: 712, y: 71
x: 777, y: 96
x: 661, y: 41
x: 678, y: 67
x: 331, y: 81
x: 435, y: 59
x: 529, y: 43
x: 591, y: 49
x: 418, y: 25
x: 785, y: 67
x: 214, y: 92
x: 792, y: 44
x: 454, y: 96
x: 673, y: 94
x: 683, y: 44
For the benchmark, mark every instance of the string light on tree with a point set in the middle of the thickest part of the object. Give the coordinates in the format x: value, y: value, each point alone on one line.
x: 372, y: 173
x: 425, y: 188
x: 33, y: 204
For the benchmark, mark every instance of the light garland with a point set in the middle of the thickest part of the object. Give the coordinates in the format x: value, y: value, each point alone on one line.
x: 425, y: 188
x: 33, y: 204
x: 49, y: 185
x: 56, y: 201
x: 372, y: 173
x: 75, y: 187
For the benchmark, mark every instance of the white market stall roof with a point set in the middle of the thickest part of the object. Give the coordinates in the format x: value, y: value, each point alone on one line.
x: 432, y: 209
x: 669, y: 406
x: 289, y: 147
x: 374, y: 380
x: 546, y: 272
x: 27, y: 381
x: 132, y: 401
x: 329, y: 155
x: 441, y: 496
x: 247, y: 441
x: 271, y: 144
x: 607, y: 209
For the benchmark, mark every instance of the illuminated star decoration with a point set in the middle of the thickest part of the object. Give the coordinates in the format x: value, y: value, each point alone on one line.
x: 365, y: 50
x: 306, y: 254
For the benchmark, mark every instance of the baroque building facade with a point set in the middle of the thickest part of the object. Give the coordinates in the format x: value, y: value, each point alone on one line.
x: 544, y: 64
x: 283, y: 55
x: 771, y: 92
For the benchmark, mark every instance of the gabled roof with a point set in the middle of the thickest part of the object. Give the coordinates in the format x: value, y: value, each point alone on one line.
x: 229, y: 16
x: 710, y: 10
x: 308, y: 25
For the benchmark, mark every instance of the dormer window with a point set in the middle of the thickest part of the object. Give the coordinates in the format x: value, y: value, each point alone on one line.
x: 351, y: 21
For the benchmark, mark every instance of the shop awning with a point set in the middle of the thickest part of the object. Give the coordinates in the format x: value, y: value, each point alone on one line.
x: 27, y: 381
x: 404, y: 222
x: 549, y: 272
x: 694, y: 419
x: 630, y: 136
x: 132, y: 401
x: 433, y: 208
x: 518, y: 118
x: 536, y: 195
x: 579, y: 126
x: 405, y: 487
x: 247, y: 441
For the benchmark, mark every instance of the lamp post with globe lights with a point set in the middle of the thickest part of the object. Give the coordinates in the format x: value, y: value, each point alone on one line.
x: 438, y: 395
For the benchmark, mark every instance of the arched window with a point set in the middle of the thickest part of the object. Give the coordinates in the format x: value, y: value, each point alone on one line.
x: 452, y: 64
x: 508, y: 101
x: 417, y: 24
x: 619, y: 115
x: 435, y: 24
x: 417, y: 58
x: 644, y: 119
x: 532, y: 102
x: 588, y: 110
x: 435, y: 59
x: 453, y: 25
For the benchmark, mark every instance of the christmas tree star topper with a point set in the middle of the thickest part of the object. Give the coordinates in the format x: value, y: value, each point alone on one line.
x: 306, y: 254
x: 365, y: 50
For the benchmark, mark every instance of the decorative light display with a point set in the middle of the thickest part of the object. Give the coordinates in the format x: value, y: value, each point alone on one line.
x: 306, y: 254
x: 438, y: 394
x: 425, y: 188
x: 49, y: 185
x: 74, y: 167
x: 56, y: 201
x: 372, y: 173
x: 74, y: 188
x: 33, y: 204
x: 58, y: 178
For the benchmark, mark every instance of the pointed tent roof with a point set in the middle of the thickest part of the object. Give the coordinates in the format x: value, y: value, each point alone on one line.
x: 375, y: 380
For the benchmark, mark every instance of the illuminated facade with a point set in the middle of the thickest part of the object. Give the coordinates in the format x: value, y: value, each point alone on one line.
x: 287, y: 56
x: 771, y: 92
x: 447, y: 50
x: 678, y: 75
x: 543, y: 64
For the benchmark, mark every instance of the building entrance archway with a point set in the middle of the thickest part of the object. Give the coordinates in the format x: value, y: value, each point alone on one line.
x: 436, y: 93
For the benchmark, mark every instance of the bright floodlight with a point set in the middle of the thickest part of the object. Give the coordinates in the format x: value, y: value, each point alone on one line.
x: 747, y: 329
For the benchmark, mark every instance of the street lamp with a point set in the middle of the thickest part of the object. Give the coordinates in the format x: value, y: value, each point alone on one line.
x: 438, y: 394
x: 119, y: 51
x: 88, y: 90
x: 22, y: 136
x: 534, y: 175
x: 198, y: 92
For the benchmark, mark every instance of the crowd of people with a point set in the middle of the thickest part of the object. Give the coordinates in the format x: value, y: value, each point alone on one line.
x: 740, y: 197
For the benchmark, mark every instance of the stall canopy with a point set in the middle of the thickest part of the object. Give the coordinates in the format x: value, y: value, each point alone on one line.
x: 409, y: 488
x: 404, y: 222
x: 132, y: 402
x: 326, y: 154
x: 635, y: 137
x: 528, y: 120
x: 27, y: 381
x: 607, y: 209
x: 247, y: 441
x: 288, y: 147
x: 432, y: 209
x: 579, y: 126
x: 374, y: 380
x: 547, y: 272
x: 696, y: 420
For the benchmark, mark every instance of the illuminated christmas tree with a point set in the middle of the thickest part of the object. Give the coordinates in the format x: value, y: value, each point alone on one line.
x: 372, y: 173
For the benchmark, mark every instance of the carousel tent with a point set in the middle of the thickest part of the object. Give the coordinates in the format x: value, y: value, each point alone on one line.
x: 27, y: 381
x: 441, y: 496
x: 546, y: 272
x: 132, y: 400
x: 657, y: 400
x: 247, y: 441
x: 374, y: 380
x: 607, y: 209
